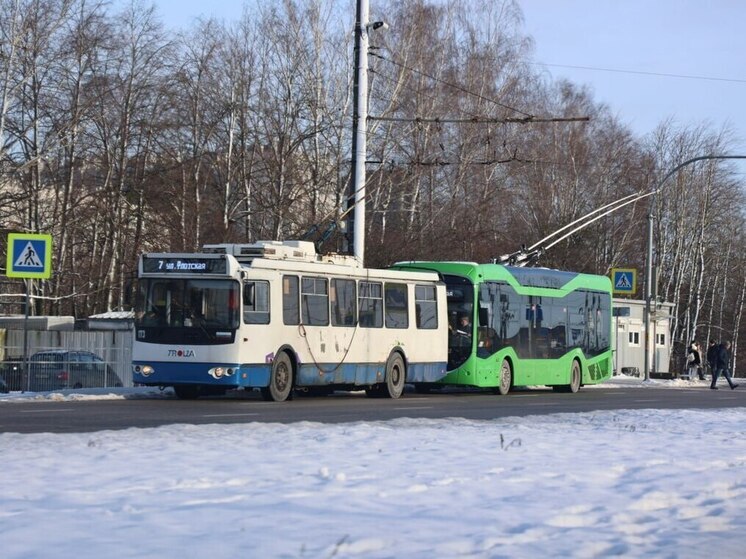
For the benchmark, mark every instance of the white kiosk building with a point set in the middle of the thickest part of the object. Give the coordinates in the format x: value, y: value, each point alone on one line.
x: 629, y: 338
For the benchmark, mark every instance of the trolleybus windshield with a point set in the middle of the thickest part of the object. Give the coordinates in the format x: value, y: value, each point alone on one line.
x: 188, y: 303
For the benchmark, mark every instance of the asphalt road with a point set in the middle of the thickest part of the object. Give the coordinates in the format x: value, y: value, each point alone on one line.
x: 81, y: 416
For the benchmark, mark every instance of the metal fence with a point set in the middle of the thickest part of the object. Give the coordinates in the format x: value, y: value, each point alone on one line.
x: 66, y: 359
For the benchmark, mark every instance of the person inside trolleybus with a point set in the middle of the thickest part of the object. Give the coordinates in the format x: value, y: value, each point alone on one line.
x: 464, y: 324
x: 156, y: 315
x: 194, y: 318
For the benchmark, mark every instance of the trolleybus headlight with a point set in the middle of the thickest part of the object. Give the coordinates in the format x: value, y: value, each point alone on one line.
x: 220, y: 372
x: 146, y: 370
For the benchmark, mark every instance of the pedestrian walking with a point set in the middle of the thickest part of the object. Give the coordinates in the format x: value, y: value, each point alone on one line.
x: 712, y: 356
x: 723, y: 367
x: 694, y: 362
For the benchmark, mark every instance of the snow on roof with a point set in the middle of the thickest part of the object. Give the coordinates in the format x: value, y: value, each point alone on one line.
x: 114, y: 315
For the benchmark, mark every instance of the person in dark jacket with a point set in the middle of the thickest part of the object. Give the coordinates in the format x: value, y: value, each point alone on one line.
x: 712, y: 356
x: 723, y: 366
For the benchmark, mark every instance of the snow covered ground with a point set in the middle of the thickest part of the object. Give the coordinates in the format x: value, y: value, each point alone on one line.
x: 642, y: 483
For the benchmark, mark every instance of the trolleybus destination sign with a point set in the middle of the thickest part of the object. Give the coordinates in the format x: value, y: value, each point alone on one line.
x: 176, y: 265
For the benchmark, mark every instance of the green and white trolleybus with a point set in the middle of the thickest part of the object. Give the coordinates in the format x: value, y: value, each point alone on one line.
x: 513, y: 326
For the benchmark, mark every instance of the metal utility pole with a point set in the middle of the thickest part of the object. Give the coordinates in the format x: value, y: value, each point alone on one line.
x: 356, y: 193
x: 648, y: 291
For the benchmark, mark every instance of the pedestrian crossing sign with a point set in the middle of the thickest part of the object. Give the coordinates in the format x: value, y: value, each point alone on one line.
x: 624, y: 280
x: 29, y: 256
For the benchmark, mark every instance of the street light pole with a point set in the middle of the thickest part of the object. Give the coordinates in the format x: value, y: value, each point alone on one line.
x: 649, y: 264
x: 648, y: 290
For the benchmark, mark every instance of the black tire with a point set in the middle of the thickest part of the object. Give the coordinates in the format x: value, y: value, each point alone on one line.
x: 280, y: 380
x: 505, y: 378
x: 396, y: 376
x: 575, y: 380
x: 187, y: 391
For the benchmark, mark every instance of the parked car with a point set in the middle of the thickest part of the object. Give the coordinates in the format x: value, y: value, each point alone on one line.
x: 11, y: 371
x: 57, y: 369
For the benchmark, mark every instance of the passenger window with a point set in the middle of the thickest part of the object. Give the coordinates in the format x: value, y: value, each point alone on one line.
x: 426, y: 306
x: 370, y: 305
x: 342, y: 299
x: 256, y: 302
x: 290, y: 305
x: 397, y: 315
x: 315, y: 301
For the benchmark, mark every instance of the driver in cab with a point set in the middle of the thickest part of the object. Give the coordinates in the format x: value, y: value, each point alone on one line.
x: 462, y: 327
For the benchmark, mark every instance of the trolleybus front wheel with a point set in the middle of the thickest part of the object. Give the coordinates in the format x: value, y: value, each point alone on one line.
x: 575, y: 377
x: 280, y: 379
x: 506, y: 378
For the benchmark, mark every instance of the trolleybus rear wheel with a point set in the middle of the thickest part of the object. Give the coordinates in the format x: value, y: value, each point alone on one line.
x: 395, y: 376
x: 393, y: 386
x: 280, y: 379
x: 575, y: 379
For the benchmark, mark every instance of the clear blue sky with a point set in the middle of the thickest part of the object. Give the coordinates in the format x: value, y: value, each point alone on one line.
x: 703, y: 39
x: 612, y: 40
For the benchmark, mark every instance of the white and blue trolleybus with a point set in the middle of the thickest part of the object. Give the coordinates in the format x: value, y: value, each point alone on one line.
x: 279, y: 317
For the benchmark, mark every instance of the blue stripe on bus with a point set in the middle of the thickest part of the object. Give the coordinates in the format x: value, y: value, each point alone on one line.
x: 167, y: 373
x: 426, y: 372
x: 364, y: 373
